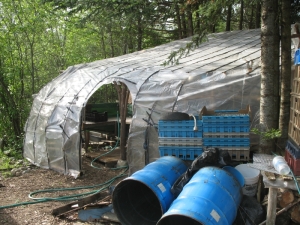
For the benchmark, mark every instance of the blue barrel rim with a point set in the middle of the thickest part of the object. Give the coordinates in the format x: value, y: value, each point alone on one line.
x: 236, y: 174
x: 147, y: 190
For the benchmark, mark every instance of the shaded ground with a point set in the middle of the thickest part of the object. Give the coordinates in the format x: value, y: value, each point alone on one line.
x: 16, y: 189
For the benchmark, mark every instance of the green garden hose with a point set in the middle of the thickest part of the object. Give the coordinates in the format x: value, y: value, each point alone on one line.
x: 73, y: 197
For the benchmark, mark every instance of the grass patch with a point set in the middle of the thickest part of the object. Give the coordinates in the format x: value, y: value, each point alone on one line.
x: 10, y: 159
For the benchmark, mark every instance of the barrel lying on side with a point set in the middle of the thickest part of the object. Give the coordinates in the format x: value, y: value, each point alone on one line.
x: 212, y: 196
x: 145, y: 196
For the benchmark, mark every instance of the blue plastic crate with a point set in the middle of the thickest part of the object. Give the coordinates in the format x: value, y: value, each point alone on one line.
x: 178, y: 133
x: 188, y: 142
x: 226, y: 144
x: 239, y: 155
x: 230, y: 129
x: 182, y: 125
x: 185, y: 153
x: 225, y: 117
x: 293, y: 150
x: 226, y: 122
x: 236, y: 148
x: 226, y: 140
x: 226, y: 135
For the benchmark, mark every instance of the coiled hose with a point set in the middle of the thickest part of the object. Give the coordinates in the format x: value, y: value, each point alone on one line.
x: 74, y: 197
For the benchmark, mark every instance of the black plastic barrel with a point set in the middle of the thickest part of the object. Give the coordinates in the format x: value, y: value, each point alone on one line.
x: 145, y: 196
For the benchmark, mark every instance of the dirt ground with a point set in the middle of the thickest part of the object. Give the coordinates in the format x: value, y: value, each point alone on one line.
x: 16, y: 190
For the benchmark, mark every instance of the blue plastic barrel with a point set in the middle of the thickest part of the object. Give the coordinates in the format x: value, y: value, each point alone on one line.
x: 212, y: 196
x: 146, y: 195
x: 297, y: 57
x: 236, y: 174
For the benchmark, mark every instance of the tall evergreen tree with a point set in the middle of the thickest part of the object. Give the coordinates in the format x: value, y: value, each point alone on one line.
x: 285, y: 81
x: 269, y: 93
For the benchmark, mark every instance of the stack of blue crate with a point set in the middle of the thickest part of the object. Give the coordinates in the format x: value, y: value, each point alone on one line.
x: 224, y: 129
x: 179, y: 138
x: 228, y: 130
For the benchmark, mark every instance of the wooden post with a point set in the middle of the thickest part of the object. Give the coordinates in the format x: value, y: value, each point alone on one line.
x: 259, y: 187
x: 86, y: 139
x: 272, y: 202
x: 284, y: 210
x: 123, y: 95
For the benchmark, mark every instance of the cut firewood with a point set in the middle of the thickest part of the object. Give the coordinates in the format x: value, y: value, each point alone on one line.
x: 283, y: 210
x: 270, y: 176
x: 283, y: 219
x: 286, y: 198
x: 287, y: 178
x: 295, y: 213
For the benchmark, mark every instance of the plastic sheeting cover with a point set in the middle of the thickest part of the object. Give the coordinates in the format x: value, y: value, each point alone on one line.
x: 223, y: 73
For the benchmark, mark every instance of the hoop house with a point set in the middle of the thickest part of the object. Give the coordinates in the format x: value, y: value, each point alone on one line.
x: 222, y: 73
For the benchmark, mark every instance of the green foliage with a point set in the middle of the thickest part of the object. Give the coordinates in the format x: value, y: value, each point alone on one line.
x: 295, y: 16
x: 11, y: 155
x: 40, y: 38
x: 105, y: 94
x: 36, y: 43
x: 9, y: 158
x: 268, y: 134
x: 175, y: 56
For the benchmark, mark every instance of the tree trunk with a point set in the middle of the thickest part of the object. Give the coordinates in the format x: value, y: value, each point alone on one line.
x: 140, y: 33
x: 257, y: 15
x: 251, y: 17
x: 213, y: 28
x: 184, y: 33
x: 10, y: 106
x: 190, y: 20
x: 32, y: 67
x: 228, y: 19
x: 241, y: 15
x: 269, y: 93
x: 112, y: 49
x: 197, y: 29
x: 284, y: 114
x: 103, y: 42
x: 178, y: 21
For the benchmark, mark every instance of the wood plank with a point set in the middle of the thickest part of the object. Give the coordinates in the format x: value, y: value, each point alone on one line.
x: 271, y: 210
x: 80, y: 203
x: 270, y: 176
x: 109, y: 160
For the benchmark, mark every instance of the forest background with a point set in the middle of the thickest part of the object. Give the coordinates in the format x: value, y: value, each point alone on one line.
x: 41, y: 38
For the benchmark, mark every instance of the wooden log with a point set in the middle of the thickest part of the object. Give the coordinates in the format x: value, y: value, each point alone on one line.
x: 287, y: 178
x: 270, y: 176
x: 283, y: 210
x: 260, y: 189
x: 283, y: 219
x: 295, y: 214
x: 285, y: 197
